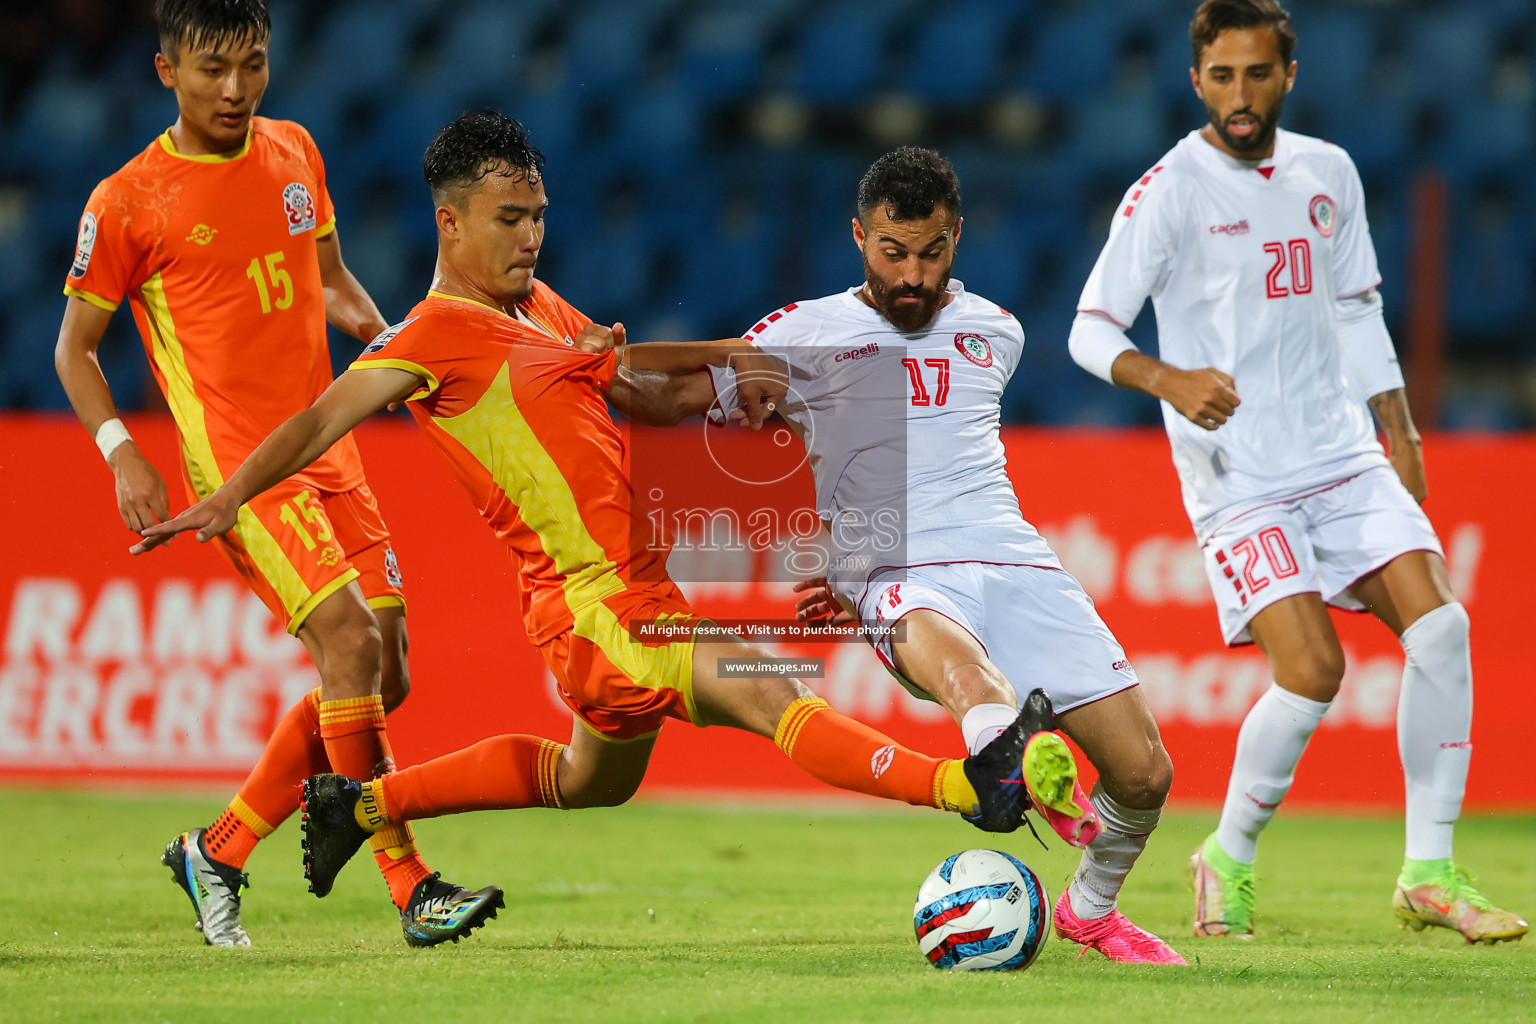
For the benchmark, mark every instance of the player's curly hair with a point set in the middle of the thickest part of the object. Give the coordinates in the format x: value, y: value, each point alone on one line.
x: 1216, y: 16
x: 475, y: 145
x: 909, y: 182
x: 196, y: 24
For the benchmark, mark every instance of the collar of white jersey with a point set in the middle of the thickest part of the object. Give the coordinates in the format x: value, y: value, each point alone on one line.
x: 1217, y: 158
x: 957, y: 294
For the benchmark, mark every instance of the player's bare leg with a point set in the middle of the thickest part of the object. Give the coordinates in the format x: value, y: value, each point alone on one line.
x: 943, y: 659
x: 850, y: 755
x: 597, y: 772
x: 1412, y: 595
x: 1297, y: 636
x: 395, y: 666
x: 1120, y: 738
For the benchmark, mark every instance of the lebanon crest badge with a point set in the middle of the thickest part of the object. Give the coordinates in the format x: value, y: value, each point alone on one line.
x: 298, y: 207
x: 1323, y: 213
x: 975, y: 348
x: 83, y: 245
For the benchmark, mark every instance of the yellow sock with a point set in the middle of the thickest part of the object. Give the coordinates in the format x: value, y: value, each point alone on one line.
x: 369, y: 810
x: 952, y: 791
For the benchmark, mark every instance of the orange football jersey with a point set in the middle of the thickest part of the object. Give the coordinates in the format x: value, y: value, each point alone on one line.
x: 521, y: 418
x: 217, y: 257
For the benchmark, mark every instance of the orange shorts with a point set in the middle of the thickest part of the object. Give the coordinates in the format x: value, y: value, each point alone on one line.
x: 620, y: 687
x: 296, y: 545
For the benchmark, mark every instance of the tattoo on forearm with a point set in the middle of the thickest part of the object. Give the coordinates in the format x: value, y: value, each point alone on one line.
x: 1391, y: 410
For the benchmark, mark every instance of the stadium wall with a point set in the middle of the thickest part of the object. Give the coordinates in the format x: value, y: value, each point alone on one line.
x: 164, y: 669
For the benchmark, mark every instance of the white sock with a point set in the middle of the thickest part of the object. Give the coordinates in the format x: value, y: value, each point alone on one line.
x: 1434, y: 721
x: 982, y: 724
x: 1108, y: 859
x: 1269, y: 744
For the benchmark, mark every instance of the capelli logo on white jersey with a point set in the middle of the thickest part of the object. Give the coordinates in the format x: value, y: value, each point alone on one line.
x: 1240, y: 228
x: 873, y: 348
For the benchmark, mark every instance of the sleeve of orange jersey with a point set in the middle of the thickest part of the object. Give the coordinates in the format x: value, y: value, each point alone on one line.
x: 406, y: 346
x: 325, y: 213
x: 107, y: 255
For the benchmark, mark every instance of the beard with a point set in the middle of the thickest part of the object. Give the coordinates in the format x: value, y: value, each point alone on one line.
x: 1259, y: 140
x: 908, y: 318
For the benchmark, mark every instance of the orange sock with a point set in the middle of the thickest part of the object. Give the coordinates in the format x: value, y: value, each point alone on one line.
x: 850, y: 755
x: 358, y: 747
x: 499, y: 773
x: 271, y: 792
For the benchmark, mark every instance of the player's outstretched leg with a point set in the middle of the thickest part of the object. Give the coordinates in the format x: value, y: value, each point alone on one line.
x: 213, y: 887
x: 435, y: 912
x: 1120, y: 738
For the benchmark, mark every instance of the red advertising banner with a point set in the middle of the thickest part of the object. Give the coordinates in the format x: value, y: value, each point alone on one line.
x: 165, y: 667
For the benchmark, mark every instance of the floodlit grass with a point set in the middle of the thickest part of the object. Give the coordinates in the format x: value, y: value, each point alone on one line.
x: 693, y: 913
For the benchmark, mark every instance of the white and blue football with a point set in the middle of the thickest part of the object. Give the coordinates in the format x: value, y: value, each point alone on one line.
x: 981, y: 910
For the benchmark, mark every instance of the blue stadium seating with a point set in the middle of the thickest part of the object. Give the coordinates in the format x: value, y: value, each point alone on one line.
x: 669, y: 212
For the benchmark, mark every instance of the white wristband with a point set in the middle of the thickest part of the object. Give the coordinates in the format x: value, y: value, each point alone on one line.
x: 111, y: 434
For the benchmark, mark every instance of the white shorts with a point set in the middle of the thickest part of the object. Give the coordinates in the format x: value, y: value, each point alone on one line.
x: 1037, y: 625
x: 1321, y: 542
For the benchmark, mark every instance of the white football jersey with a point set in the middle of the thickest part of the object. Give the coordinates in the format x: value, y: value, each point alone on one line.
x: 1244, y: 264
x: 902, y: 432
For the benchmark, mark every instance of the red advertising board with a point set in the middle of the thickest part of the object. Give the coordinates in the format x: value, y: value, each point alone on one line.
x: 165, y: 668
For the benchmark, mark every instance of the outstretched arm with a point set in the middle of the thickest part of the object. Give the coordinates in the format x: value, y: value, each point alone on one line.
x: 348, y: 306
x: 302, y: 439
x: 760, y: 379
x: 658, y: 399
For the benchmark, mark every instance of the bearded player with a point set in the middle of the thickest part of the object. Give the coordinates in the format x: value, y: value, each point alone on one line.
x: 496, y: 369
x: 222, y: 237
x: 896, y: 389
x: 1253, y: 245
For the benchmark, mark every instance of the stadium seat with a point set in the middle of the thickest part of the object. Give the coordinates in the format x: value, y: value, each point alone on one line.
x: 608, y: 45
x: 958, y: 54
x: 479, y: 51
x: 840, y: 58
x: 1125, y: 131
x: 361, y: 48
x: 1073, y: 56
x: 1448, y: 54
x: 722, y: 52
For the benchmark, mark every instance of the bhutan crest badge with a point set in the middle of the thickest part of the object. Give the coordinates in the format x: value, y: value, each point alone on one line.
x: 298, y: 207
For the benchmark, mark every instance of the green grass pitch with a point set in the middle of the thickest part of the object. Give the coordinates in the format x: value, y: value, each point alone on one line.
x: 664, y: 912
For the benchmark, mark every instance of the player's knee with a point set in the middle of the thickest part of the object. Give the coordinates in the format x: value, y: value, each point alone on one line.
x: 1315, y: 675
x: 974, y: 683
x: 1145, y: 784
x: 354, y: 648
x: 1445, y: 631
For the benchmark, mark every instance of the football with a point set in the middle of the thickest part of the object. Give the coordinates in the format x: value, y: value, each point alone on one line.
x: 981, y: 910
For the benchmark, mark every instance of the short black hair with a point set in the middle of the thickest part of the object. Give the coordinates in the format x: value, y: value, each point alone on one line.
x: 194, y: 24
x: 909, y: 182
x: 477, y: 144
x: 1217, y: 16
